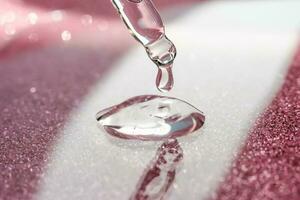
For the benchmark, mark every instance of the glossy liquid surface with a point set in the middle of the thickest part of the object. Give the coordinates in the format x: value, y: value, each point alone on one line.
x: 145, y: 24
x: 150, y: 117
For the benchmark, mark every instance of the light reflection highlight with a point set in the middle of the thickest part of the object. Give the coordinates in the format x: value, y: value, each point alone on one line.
x: 32, y: 18
x: 66, y: 35
x: 86, y: 20
x: 9, y: 29
x: 57, y: 15
x: 8, y: 17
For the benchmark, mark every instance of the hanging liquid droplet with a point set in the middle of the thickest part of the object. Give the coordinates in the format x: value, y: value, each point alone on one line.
x: 164, y: 79
x: 163, y: 52
x: 145, y: 24
x: 160, y: 174
x: 151, y: 117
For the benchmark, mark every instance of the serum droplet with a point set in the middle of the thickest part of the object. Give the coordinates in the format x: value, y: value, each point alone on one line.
x: 151, y: 117
x: 164, y: 79
x: 163, y: 52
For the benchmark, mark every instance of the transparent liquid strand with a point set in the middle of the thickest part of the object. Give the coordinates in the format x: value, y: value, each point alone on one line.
x: 160, y: 173
x: 164, y: 79
x: 150, y: 117
x: 145, y: 24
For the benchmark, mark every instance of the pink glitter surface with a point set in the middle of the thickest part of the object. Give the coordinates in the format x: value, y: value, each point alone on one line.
x: 36, y: 98
x: 268, y: 166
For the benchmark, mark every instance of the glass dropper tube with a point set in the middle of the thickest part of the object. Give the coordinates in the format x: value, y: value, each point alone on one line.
x: 145, y: 24
x: 142, y: 19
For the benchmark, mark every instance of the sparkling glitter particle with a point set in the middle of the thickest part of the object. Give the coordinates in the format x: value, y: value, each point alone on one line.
x: 32, y: 90
x: 8, y: 17
x: 32, y: 18
x: 33, y: 37
x: 66, y: 36
x: 9, y: 29
x: 57, y: 15
x: 86, y: 20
